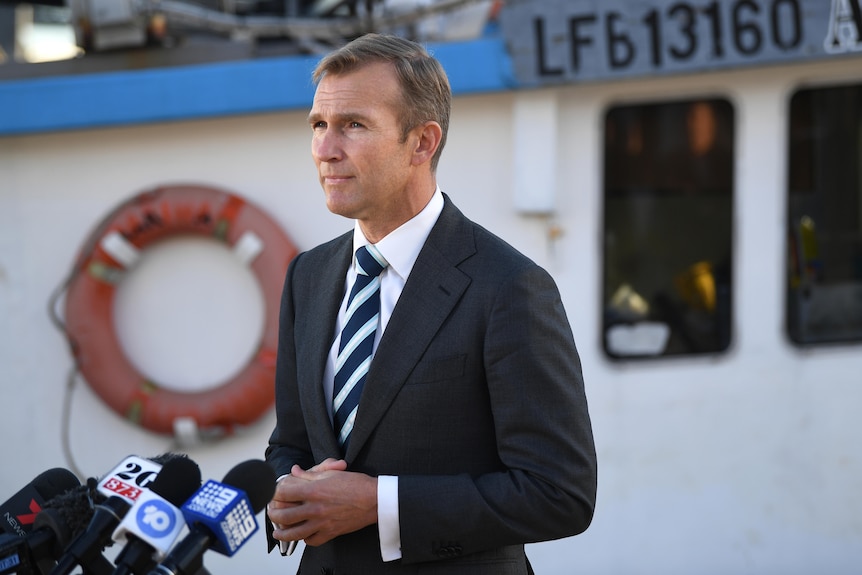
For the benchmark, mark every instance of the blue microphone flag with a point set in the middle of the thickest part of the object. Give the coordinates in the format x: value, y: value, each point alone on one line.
x: 225, y: 511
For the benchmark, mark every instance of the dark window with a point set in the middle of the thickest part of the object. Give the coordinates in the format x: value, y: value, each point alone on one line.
x: 824, y: 272
x: 668, y: 212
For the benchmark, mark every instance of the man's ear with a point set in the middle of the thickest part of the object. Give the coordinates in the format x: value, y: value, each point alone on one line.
x: 429, y: 135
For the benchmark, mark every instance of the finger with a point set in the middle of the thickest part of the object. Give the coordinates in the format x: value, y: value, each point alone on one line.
x: 316, y: 540
x: 280, y: 504
x: 334, y: 464
x: 300, y: 473
x: 287, y: 521
x: 288, y: 532
x: 329, y: 464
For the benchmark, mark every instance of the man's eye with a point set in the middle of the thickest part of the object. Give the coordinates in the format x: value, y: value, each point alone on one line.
x: 318, y: 125
x: 355, y: 124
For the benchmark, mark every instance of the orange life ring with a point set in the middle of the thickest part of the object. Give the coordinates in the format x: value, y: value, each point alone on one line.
x: 111, y: 249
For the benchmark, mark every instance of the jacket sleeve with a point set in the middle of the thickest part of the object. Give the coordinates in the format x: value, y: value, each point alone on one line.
x: 288, y: 443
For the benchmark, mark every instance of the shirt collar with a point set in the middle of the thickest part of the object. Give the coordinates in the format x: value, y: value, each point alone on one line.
x: 401, y: 247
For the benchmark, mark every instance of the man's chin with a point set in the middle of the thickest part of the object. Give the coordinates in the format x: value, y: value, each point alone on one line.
x: 338, y: 206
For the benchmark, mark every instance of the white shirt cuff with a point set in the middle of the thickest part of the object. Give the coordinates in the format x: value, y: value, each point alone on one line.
x: 388, y: 523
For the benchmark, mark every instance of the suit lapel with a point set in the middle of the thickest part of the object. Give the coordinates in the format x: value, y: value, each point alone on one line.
x: 433, y: 289
x: 325, y: 293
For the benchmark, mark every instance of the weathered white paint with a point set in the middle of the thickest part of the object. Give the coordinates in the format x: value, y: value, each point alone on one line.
x: 747, y: 463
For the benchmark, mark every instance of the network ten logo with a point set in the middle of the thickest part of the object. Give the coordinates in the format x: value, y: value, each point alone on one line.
x: 157, y: 518
x: 153, y: 520
x: 226, y: 511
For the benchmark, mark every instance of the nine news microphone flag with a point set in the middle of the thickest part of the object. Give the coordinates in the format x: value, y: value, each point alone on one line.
x: 220, y: 516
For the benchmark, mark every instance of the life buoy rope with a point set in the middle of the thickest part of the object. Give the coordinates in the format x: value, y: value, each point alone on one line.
x: 113, y: 249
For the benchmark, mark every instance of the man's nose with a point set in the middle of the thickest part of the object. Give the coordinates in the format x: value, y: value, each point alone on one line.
x: 327, y: 147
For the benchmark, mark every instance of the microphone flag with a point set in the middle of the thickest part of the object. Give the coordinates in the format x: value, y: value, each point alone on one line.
x: 153, y: 520
x: 226, y: 511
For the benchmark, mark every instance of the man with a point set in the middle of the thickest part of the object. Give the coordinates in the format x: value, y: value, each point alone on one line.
x: 472, y: 435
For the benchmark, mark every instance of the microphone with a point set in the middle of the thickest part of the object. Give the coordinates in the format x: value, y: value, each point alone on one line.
x: 220, y: 516
x: 121, y: 486
x: 38, y: 541
x: 18, y: 513
x: 15, y: 556
x: 154, y: 522
x: 36, y: 554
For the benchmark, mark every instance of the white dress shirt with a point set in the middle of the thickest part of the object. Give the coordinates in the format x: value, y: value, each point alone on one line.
x: 400, y: 248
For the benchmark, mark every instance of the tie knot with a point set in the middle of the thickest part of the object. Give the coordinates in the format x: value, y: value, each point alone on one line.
x: 371, y: 261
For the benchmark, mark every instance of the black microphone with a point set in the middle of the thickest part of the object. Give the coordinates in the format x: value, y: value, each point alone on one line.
x: 121, y: 487
x: 220, y: 516
x: 45, y: 535
x: 18, y: 513
x: 37, y: 553
x: 15, y: 556
x: 154, y: 522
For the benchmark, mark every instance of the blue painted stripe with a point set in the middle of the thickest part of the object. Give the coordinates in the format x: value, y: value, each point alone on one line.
x: 210, y: 90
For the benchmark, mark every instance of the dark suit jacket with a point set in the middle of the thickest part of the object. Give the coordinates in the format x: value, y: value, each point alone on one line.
x: 474, y: 399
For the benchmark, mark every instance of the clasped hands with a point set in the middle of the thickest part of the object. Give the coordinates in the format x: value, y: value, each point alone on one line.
x: 321, y: 503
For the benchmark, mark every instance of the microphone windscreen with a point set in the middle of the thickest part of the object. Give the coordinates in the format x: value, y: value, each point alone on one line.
x: 163, y: 458
x: 257, y: 478
x: 75, y: 507
x: 177, y: 481
x: 55, y: 481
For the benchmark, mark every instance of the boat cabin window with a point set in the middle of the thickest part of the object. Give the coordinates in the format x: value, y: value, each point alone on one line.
x: 668, y: 220
x: 824, y: 216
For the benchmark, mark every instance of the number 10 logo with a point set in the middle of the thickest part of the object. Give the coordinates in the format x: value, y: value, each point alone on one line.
x: 156, y: 519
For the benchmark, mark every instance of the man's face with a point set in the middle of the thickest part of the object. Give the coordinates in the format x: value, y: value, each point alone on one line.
x: 363, y: 166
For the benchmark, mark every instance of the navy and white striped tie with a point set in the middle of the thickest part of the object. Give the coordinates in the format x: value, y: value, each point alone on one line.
x: 355, y: 348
